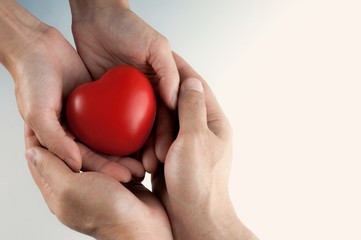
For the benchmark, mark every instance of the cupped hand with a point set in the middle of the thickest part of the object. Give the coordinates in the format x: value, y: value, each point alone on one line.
x: 193, y: 184
x: 45, y: 71
x: 94, y: 203
x: 108, y: 34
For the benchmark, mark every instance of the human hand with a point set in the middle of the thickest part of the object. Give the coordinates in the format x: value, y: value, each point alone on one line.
x: 45, y: 69
x: 194, y: 187
x: 94, y: 203
x: 107, y: 33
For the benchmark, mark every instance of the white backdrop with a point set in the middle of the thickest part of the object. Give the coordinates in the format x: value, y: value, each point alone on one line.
x: 288, y: 74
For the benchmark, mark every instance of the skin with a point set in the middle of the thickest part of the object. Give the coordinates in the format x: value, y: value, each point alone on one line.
x: 192, y: 185
x: 94, y: 203
x: 31, y: 50
x: 45, y: 69
x: 107, y: 33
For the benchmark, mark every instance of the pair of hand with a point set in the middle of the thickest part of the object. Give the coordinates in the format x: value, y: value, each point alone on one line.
x: 46, y: 68
x: 189, y: 199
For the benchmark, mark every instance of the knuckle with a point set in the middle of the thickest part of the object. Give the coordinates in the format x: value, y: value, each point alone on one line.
x: 51, y: 32
x: 192, y: 100
x: 65, y: 192
x: 49, y: 143
x: 161, y: 45
x: 196, y: 135
x: 162, y: 41
x: 34, y: 115
x: 227, y: 128
x: 30, y: 113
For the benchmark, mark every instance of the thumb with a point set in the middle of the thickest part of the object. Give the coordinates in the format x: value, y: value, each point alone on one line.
x: 52, y: 135
x: 49, y: 167
x: 192, y: 111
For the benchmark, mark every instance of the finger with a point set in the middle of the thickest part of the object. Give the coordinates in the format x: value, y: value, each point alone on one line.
x: 51, y: 135
x: 159, y: 186
x: 191, y: 106
x: 49, y: 167
x: 217, y: 121
x: 131, y: 163
x: 164, y: 131
x: 162, y: 61
x: 97, y: 163
x: 149, y: 158
x: 135, y: 167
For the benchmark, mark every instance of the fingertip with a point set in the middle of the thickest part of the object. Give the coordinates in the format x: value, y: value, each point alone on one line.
x: 163, y: 63
x: 122, y: 174
x: 161, y: 148
x: 192, y: 112
x: 117, y: 171
x: 53, y: 136
x: 125, y: 177
x: 135, y: 168
x: 73, y: 164
x: 35, y: 156
x: 71, y: 155
x: 149, y: 160
x: 170, y: 96
x: 30, y: 156
x: 174, y: 91
x: 174, y: 100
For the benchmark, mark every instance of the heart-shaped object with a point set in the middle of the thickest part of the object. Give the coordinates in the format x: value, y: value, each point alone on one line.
x: 114, y: 114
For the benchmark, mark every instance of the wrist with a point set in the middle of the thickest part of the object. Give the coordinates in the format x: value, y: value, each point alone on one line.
x: 18, y: 29
x: 84, y: 8
x: 111, y: 233
x: 132, y: 231
x: 218, y: 221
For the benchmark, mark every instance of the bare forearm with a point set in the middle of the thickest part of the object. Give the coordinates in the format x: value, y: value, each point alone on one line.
x: 80, y: 8
x: 17, y: 29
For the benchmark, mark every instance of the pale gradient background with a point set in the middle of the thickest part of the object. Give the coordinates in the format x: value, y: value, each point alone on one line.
x: 288, y: 74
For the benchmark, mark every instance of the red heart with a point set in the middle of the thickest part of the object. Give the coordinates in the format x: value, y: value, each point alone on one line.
x: 114, y: 114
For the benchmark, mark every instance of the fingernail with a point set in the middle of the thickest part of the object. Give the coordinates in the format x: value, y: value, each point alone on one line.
x: 192, y: 84
x: 30, y: 156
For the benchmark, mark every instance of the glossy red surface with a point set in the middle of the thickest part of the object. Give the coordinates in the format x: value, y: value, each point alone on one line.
x: 114, y: 114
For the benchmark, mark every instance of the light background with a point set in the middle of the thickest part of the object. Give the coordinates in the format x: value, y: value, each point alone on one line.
x: 288, y: 74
